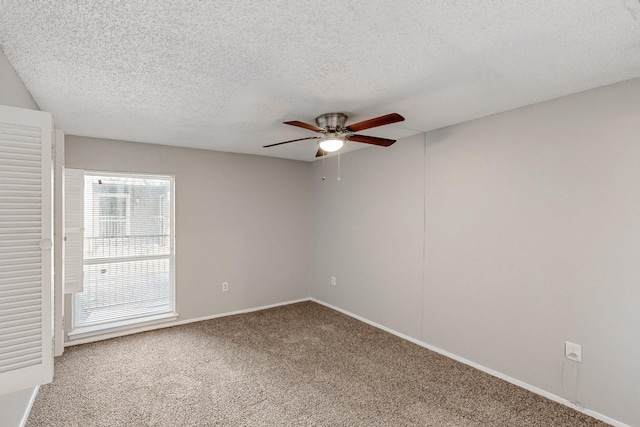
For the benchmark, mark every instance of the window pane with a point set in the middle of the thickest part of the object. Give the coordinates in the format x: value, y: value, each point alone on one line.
x: 114, y: 291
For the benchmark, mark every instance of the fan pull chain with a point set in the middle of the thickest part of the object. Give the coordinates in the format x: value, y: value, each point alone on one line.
x: 323, y: 167
x: 338, y: 166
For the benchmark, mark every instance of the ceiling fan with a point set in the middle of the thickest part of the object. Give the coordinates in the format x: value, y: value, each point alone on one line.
x: 335, y: 133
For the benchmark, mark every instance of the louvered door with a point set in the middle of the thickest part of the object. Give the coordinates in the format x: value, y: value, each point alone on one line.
x: 26, y: 315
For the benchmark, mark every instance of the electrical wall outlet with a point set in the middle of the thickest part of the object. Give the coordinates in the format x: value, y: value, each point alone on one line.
x: 225, y: 286
x: 573, y: 351
x: 333, y: 280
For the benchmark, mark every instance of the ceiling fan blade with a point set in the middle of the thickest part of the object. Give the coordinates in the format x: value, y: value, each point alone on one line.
x: 383, y: 142
x: 378, y: 121
x: 304, y: 125
x: 321, y: 153
x: 293, y: 140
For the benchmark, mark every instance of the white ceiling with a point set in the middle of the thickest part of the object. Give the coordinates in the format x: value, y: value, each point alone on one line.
x: 224, y: 75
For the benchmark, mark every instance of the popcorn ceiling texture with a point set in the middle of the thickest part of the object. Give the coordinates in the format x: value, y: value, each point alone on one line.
x: 223, y: 75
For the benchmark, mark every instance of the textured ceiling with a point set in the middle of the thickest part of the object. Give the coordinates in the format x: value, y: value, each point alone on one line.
x: 224, y: 75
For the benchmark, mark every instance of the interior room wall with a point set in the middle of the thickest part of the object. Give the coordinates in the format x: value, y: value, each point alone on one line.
x: 239, y: 218
x: 533, y: 230
x: 531, y: 238
x: 12, y: 91
x: 368, y: 233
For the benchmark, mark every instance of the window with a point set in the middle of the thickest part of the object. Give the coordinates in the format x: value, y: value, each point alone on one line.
x: 128, y: 251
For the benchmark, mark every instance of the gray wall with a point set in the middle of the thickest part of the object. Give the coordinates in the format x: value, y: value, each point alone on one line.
x: 368, y: 233
x: 239, y: 218
x: 12, y: 91
x: 531, y: 238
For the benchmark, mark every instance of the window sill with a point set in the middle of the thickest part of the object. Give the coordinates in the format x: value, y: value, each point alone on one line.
x: 122, y: 325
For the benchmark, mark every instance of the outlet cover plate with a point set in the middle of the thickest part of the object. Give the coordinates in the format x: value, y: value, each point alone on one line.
x: 573, y: 351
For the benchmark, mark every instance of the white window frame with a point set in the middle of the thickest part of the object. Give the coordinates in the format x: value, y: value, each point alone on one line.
x: 112, y: 328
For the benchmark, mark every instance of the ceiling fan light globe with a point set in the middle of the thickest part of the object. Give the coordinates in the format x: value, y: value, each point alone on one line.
x: 331, y: 144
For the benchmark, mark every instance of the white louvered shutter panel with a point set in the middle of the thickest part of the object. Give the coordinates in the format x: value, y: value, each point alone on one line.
x: 74, y: 229
x: 26, y: 286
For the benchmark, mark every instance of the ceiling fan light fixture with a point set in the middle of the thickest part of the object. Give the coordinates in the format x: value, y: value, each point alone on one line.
x: 331, y: 143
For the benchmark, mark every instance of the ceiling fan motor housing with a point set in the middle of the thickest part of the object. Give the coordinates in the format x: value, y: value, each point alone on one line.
x: 332, y: 122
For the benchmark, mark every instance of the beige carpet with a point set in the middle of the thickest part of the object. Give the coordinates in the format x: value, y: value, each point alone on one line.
x: 298, y: 365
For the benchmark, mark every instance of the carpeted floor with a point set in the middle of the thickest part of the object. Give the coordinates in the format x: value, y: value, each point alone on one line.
x: 297, y: 365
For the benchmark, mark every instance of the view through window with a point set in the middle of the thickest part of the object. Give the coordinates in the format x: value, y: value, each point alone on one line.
x: 128, y: 248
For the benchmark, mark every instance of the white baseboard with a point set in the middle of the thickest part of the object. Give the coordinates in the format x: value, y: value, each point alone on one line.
x: 489, y: 371
x: 15, y: 407
x: 169, y: 324
x: 27, y: 409
x: 245, y: 310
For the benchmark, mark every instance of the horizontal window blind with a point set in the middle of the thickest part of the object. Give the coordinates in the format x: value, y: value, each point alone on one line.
x: 128, y: 248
